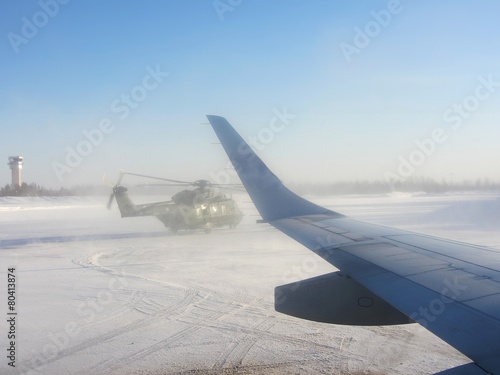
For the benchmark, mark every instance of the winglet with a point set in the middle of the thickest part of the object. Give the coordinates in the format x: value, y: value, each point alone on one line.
x: 272, y: 199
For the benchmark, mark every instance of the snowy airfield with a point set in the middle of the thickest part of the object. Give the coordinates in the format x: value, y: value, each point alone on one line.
x: 97, y: 294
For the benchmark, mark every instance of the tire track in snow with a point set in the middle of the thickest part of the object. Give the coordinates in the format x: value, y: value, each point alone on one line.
x: 199, y: 322
x: 237, y: 350
x: 178, y: 308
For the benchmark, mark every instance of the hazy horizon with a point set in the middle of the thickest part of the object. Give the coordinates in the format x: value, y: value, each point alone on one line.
x: 324, y: 93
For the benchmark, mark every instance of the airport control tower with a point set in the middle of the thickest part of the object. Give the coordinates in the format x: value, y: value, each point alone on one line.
x: 16, y: 165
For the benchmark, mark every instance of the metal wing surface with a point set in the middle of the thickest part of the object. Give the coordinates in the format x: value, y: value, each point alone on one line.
x: 386, y: 275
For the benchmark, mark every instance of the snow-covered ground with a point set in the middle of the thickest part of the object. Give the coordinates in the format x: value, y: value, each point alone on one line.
x: 97, y: 294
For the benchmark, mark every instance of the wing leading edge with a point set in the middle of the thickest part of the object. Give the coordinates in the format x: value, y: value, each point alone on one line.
x: 272, y: 199
x: 387, y: 276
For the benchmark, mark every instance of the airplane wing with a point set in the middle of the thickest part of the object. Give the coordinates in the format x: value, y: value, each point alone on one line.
x: 386, y: 275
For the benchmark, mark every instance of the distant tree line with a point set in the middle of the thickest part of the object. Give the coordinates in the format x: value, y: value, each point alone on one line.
x: 35, y: 190
x: 418, y: 184
x: 411, y: 185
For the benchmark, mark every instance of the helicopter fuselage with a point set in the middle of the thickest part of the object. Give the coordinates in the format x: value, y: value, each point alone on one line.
x: 200, y: 208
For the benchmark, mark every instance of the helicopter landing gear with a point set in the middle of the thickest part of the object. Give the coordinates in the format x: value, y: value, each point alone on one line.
x: 208, y: 230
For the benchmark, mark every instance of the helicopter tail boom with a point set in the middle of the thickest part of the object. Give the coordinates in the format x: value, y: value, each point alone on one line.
x: 125, y: 204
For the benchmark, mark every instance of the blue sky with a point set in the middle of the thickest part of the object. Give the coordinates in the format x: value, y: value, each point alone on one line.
x: 68, y: 66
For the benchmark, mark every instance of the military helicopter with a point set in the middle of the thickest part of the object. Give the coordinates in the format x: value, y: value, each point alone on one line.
x: 200, y: 208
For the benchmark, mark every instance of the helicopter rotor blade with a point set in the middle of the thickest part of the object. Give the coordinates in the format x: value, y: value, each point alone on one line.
x: 230, y: 188
x: 157, y: 178
x: 183, y: 185
x: 108, y: 183
x: 233, y: 185
x: 110, y: 202
x: 120, y: 178
x: 113, y: 187
x: 106, y: 180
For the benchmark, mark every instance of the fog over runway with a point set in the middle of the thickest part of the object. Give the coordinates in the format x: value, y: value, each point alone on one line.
x: 97, y: 294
